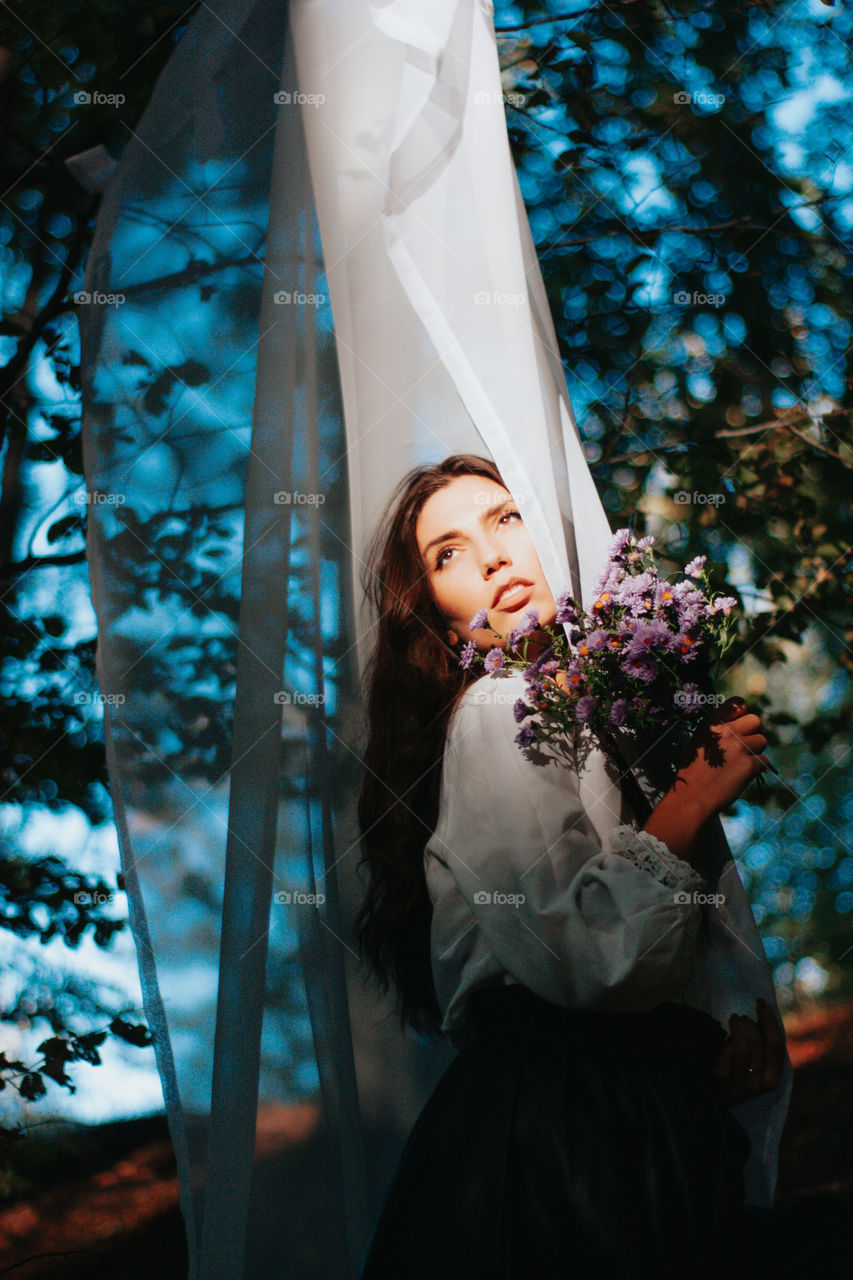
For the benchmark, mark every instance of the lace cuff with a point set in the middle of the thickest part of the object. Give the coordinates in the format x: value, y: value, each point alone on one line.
x: 653, y: 856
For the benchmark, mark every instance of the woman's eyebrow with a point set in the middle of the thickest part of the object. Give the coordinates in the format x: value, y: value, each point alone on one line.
x: 454, y: 533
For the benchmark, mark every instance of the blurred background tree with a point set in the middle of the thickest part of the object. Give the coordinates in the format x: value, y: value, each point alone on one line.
x: 52, y: 57
x: 686, y: 173
x: 686, y: 169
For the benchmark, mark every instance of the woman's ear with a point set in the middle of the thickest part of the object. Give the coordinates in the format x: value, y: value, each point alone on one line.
x: 452, y: 637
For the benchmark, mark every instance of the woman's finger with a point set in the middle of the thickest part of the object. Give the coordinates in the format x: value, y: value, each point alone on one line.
x: 745, y: 724
x: 755, y: 743
x: 729, y: 710
x: 748, y: 1065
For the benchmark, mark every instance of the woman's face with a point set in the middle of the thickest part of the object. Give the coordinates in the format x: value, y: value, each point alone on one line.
x: 473, y: 543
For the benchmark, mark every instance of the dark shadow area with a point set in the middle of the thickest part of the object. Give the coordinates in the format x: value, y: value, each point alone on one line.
x: 102, y: 1201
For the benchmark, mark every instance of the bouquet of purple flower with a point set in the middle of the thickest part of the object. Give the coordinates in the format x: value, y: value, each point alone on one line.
x: 639, y: 660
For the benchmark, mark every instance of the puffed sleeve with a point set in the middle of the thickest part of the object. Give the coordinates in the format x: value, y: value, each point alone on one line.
x: 581, y: 924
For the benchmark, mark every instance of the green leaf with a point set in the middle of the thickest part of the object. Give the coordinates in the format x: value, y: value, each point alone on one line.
x: 132, y: 1033
x: 32, y: 1086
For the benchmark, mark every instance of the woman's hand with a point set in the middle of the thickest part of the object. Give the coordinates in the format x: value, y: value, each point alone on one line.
x: 752, y: 1059
x: 726, y: 755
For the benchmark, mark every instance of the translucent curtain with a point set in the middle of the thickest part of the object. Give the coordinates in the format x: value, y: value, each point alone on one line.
x: 312, y: 271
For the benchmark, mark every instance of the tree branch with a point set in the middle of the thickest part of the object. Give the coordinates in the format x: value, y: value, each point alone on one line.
x: 35, y: 562
x: 789, y: 422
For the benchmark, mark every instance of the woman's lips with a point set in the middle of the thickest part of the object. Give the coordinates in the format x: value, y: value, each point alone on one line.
x: 515, y: 599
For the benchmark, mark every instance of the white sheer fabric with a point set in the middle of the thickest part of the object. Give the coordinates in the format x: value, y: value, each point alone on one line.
x: 285, y: 349
x: 524, y: 888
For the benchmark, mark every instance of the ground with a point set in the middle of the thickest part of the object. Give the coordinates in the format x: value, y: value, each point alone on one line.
x: 107, y: 1204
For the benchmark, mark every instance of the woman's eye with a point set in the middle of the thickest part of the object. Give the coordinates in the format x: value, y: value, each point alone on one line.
x: 439, y: 560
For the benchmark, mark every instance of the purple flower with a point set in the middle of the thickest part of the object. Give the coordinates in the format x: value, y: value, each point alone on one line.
x: 645, y: 543
x: 664, y: 595
x: 574, y: 674
x: 528, y: 623
x: 566, y: 609
x: 695, y: 567
x: 618, y: 544
x: 687, y: 646
x: 478, y: 620
x: 467, y: 655
x: 636, y: 590
x: 495, y: 658
x: 525, y: 736
x: 608, y: 580
x: 722, y: 604
x: 687, y: 619
x: 585, y: 707
x: 689, y: 604
x: 545, y: 656
x: 687, y: 592
x: 685, y: 697
x: 618, y: 711
x: 649, y: 634
x: 594, y: 641
x: 520, y: 709
x: 643, y: 667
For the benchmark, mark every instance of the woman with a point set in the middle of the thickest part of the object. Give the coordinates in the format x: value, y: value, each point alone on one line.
x: 585, y: 1120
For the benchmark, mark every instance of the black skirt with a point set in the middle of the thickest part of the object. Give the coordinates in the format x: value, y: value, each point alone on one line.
x: 572, y: 1144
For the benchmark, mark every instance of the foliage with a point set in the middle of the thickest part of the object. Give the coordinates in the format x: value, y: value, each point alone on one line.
x: 52, y: 744
x: 694, y: 241
x: 698, y: 266
x: 684, y: 169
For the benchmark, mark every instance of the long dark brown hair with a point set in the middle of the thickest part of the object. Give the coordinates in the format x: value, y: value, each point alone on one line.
x: 411, y: 686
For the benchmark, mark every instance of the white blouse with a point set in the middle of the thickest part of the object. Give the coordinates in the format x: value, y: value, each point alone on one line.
x: 535, y: 878
x: 525, y: 890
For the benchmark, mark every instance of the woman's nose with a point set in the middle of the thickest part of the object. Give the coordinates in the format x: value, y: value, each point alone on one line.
x: 494, y: 561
